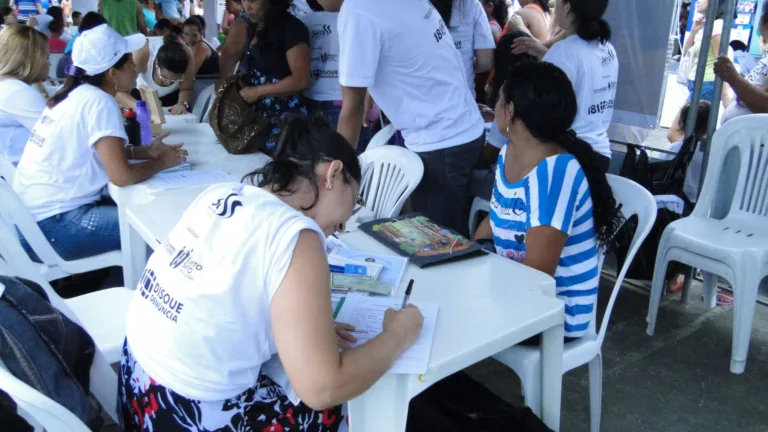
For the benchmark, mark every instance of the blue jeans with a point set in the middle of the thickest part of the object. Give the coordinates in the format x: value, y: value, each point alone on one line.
x: 86, y: 231
x: 442, y: 194
x: 332, y: 111
x: 707, y: 91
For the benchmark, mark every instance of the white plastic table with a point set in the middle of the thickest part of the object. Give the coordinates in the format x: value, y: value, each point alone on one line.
x: 204, y: 153
x: 487, y: 304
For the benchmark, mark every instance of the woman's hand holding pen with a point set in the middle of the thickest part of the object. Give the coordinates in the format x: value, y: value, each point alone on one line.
x: 405, y: 323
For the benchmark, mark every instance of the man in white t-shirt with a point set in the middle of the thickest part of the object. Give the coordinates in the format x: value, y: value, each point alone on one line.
x: 472, y: 37
x: 402, y: 52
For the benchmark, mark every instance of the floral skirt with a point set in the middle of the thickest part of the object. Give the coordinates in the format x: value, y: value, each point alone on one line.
x: 145, y: 405
x: 276, y: 108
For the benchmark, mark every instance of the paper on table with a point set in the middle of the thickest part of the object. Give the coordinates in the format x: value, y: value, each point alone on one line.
x: 332, y: 244
x: 394, y: 266
x: 367, y: 315
x: 180, y: 179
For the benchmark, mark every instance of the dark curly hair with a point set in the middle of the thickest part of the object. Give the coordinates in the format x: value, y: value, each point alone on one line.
x: 304, y: 143
x: 544, y: 101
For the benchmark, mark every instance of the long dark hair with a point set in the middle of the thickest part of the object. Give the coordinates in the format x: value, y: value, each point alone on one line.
x: 445, y: 9
x: 276, y: 12
x: 504, y: 60
x: 588, y: 19
x: 172, y: 55
x: 544, y: 101
x: 304, y: 143
x: 544, y: 4
x: 78, y: 77
x: 500, y: 11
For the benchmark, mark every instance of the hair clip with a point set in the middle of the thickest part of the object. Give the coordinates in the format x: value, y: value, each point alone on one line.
x: 74, y: 71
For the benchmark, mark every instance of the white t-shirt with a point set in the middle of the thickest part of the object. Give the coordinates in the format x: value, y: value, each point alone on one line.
x: 471, y: 31
x: 300, y: 8
x: 324, y: 42
x: 199, y: 322
x: 20, y: 108
x: 402, y: 51
x: 145, y: 78
x: 60, y: 169
x: 593, y: 69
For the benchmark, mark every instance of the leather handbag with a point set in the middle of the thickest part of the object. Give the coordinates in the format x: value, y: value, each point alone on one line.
x: 238, y: 127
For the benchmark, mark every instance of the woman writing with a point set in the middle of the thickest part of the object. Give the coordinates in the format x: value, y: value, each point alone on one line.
x: 552, y: 205
x: 590, y: 62
x: 23, y: 63
x: 167, y: 66
x: 78, y: 146
x: 272, y: 46
x: 219, y: 351
x: 206, y: 59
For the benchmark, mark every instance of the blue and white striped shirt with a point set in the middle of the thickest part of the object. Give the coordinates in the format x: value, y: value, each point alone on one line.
x: 555, y: 194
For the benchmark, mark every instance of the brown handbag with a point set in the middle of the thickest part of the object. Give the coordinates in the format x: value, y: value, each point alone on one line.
x: 238, y: 127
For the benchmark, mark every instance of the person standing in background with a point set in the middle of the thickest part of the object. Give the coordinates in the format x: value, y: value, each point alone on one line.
x: 124, y: 16
x: 168, y: 9
x: 471, y: 33
x: 150, y: 17
x: 497, y: 13
x: 402, y: 52
x: 693, y: 42
x: 56, y: 44
x: 535, y: 16
x: 72, y: 30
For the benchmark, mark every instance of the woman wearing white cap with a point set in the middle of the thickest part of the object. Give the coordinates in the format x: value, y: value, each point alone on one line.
x: 79, y: 145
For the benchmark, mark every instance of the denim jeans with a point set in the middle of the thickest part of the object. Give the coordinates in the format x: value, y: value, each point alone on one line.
x: 86, y: 231
x: 442, y: 194
x: 332, y: 111
x: 707, y: 91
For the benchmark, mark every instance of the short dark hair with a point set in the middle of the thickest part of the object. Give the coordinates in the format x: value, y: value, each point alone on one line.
x: 55, y: 26
x: 173, y: 55
x: 56, y: 13
x: 91, y: 20
x: 76, y: 14
x: 196, y: 21
x: 304, y: 143
x: 589, y: 22
x: 702, y: 118
x: 738, y: 45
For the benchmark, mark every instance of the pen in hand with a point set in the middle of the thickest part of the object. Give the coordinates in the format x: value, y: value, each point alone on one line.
x: 407, y: 294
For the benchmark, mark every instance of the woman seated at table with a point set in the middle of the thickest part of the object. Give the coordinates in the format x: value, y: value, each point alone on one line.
x: 206, y: 58
x: 243, y: 279
x: 276, y: 60
x: 552, y: 205
x: 78, y: 146
x: 23, y: 63
x: 166, y: 65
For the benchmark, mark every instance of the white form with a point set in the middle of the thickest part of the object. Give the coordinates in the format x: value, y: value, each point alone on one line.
x: 181, y: 179
x: 394, y: 266
x: 367, y: 315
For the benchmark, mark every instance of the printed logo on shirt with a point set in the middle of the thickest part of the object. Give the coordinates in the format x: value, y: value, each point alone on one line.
x: 609, y: 58
x: 225, y: 207
x: 515, y: 206
x: 440, y: 32
x: 192, y: 232
x: 325, y: 58
x: 457, y: 44
x: 184, y: 264
x: 165, y: 303
x: 611, y: 86
x: 320, y: 31
x: 320, y: 73
x: 599, y: 108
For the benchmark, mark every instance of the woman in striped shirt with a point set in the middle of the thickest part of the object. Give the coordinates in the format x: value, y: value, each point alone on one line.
x: 552, y: 208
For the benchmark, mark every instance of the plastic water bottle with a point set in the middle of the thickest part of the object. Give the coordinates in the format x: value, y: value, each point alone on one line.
x: 145, y: 122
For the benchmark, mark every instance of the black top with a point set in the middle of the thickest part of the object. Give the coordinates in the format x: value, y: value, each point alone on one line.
x: 210, y: 65
x: 268, y: 55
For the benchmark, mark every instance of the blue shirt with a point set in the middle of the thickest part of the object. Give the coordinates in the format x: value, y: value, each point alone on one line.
x: 170, y: 8
x: 554, y: 194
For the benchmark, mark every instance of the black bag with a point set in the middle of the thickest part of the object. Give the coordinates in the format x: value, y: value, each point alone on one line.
x: 460, y: 404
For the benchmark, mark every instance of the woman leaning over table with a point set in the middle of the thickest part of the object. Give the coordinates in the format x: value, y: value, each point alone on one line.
x: 551, y: 205
x: 272, y: 47
x: 78, y: 146
x: 23, y: 63
x: 232, y: 320
x: 590, y: 62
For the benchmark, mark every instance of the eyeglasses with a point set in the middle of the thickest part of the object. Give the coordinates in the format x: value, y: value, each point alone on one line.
x: 359, y: 204
x: 164, y: 78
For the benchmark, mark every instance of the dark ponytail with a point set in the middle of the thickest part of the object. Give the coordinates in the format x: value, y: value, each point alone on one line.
x: 77, y: 77
x: 588, y: 19
x: 173, y: 56
x: 304, y: 143
x: 543, y: 99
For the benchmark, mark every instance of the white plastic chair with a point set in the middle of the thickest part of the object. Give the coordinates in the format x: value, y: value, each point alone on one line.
x: 390, y: 174
x: 478, y: 205
x: 382, y: 137
x: 39, y: 410
x: 53, y: 267
x: 204, y: 103
x: 735, y: 247
x: 526, y: 360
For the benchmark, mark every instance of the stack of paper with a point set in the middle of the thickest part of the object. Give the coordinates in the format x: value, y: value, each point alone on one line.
x: 181, y: 179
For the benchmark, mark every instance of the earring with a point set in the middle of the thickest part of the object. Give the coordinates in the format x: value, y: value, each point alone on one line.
x: 507, y: 127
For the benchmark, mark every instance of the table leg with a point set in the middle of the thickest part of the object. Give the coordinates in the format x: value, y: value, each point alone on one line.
x: 383, y: 408
x: 552, y: 375
x: 134, y: 252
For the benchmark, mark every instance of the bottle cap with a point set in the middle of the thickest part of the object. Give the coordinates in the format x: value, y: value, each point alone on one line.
x: 129, y: 113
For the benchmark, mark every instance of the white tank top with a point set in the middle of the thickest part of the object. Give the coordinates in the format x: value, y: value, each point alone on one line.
x: 145, y: 79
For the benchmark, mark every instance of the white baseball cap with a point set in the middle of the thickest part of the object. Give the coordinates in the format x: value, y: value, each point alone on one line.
x: 98, y: 49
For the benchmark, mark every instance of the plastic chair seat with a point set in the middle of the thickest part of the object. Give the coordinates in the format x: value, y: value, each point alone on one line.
x: 102, y: 315
x: 722, y: 239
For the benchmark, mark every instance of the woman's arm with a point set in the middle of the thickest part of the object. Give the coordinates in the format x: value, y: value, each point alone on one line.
x: 483, y: 231
x: 113, y: 157
x: 232, y: 50
x: 298, y: 81
x: 543, y: 247
x: 483, y: 60
x: 187, y: 87
x: 303, y: 328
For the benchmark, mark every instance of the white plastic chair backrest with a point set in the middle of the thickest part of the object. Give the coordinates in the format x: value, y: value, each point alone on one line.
x: 203, y: 103
x: 15, y: 211
x: 390, y: 174
x: 7, y: 170
x: 634, y: 200
x: 49, y: 414
x: 382, y: 137
x: 745, y: 139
